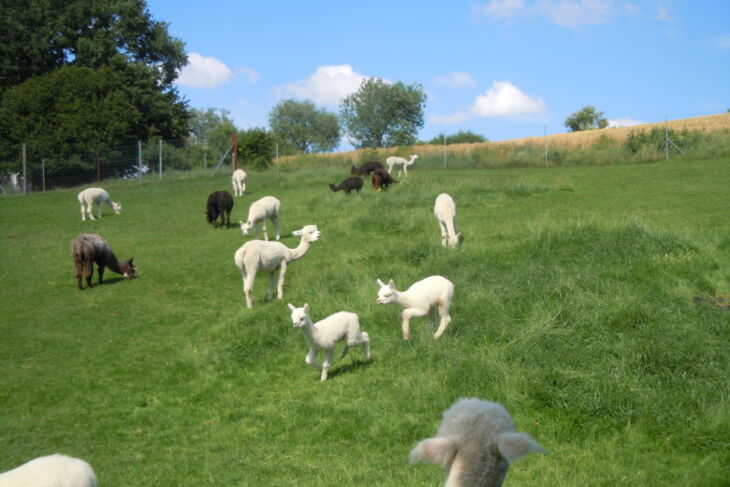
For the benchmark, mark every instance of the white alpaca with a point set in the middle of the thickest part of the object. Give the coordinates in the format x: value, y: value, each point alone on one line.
x: 15, y: 179
x: 267, y: 208
x: 400, y: 162
x: 476, y: 443
x: 239, y: 182
x: 325, y: 334
x: 263, y: 256
x: 445, y: 212
x: 90, y: 196
x: 430, y: 296
x: 50, y: 471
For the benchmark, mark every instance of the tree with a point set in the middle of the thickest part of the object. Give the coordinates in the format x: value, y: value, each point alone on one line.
x: 255, y: 148
x: 381, y: 114
x: 83, y: 74
x: 303, y: 127
x: 460, y: 137
x: 587, y: 118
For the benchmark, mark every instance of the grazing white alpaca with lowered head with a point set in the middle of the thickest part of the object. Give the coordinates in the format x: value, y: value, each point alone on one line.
x: 239, y: 182
x: 445, y: 212
x: 476, y: 443
x: 259, y: 255
x: 430, y: 296
x: 266, y: 208
x: 50, y: 471
x: 400, y: 162
x: 91, y: 196
x: 324, y: 335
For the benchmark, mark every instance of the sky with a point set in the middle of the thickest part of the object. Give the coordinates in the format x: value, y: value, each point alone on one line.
x: 503, y: 69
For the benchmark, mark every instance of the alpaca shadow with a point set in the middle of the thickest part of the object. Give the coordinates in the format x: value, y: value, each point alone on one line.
x: 110, y: 280
x: 352, y: 366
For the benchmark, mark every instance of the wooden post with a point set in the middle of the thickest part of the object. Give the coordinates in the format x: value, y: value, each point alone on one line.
x: 98, y: 167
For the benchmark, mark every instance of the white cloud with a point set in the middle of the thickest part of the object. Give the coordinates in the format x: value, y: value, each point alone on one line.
x: 501, y: 9
x: 721, y: 42
x: 203, y: 72
x: 665, y: 13
x: 623, y: 122
x: 456, y: 80
x: 504, y: 99
x: 574, y: 13
x: 448, y: 119
x: 327, y: 85
x: 251, y: 76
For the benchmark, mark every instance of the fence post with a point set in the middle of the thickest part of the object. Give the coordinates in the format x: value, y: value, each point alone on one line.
x: 25, y: 181
x: 277, y: 158
x: 139, y: 160
x: 160, y: 159
x: 98, y: 167
x: 444, y: 138
x: 43, y: 174
x: 546, y: 145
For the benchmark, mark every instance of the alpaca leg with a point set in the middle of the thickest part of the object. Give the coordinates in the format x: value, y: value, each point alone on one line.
x: 326, y: 364
x: 406, y: 317
x: 266, y: 234
x: 365, y: 340
x: 101, y: 274
x: 98, y: 210
x: 79, y: 272
x: 445, y: 320
x: 270, y: 293
x: 311, y: 359
x: 345, y: 348
x: 282, y: 272
x: 243, y: 189
x: 88, y: 273
x: 83, y: 213
x: 432, y: 315
x: 248, y: 287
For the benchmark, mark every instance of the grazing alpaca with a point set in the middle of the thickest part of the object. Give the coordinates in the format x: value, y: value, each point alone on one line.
x: 381, y: 179
x: 366, y: 168
x: 50, y: 471
x: 348, y: 185
x: 15, y: 179
x: 445, y: 212
x: 400, y: 162
x: 430, y: 296
x: 263, y: 256
x: 324, y: 335
x: 220, y: 203
x: 88, y: 197
x: 476, y: 443
x: 266, y: 208
x: 90, y: 248
x: 239, y: 182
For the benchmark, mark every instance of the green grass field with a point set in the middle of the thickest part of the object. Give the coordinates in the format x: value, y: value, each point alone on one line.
x: 585, y: 303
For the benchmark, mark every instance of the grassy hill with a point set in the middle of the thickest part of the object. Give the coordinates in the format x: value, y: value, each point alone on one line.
x: 590, y: 301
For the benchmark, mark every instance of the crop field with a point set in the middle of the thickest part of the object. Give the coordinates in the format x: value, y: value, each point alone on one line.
x: 592, y: 302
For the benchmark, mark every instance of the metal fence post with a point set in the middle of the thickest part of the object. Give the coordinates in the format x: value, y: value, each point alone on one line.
x: 139, y: 160
x: 25, y: 181
x: 43, y: 174
x: 160, y: 159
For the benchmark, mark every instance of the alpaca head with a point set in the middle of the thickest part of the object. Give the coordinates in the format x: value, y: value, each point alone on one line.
x: 245, y: 226
x: 354, y: 170
x: 476, y: 443
x: 128, y: 268
x: 387, y: 293
x: 333, y: 187
x: 413, y: 159
x: 308, y: 232
x: 454, y: 240
x: 299, y: 316
x: 117, y: 207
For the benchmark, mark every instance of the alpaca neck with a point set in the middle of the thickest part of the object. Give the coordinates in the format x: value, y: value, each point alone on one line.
x: 450, y: 229
x: 406, y: 299
x: 309, y: 331
x: 113, y: 263
x: 300, y: 250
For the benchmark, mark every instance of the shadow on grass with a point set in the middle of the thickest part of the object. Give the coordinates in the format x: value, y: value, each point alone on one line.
x: 352, y: 366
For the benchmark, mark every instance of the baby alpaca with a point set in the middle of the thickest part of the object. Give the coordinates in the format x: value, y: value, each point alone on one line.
x: 266, y: 208
x: 91, y: 196
x: 476, y: 443
x: 324, y: 335
x: 239, y: 182
x: 430, y: 296
x: 50, y: 471
x: 445, y: 212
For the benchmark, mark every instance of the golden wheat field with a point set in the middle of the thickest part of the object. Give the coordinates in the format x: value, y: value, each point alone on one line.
x: 568, y: 140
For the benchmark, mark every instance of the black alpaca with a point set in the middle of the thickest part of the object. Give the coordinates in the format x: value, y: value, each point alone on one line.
x: 348, y: 185
x: 220, y: 203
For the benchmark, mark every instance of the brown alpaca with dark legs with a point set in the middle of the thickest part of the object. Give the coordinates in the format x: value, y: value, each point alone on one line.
x: 90, y: 248
x: 381, y: 179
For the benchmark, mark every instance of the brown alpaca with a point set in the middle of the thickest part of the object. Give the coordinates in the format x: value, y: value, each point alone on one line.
x: 381, y: 179
x: 90, y: 248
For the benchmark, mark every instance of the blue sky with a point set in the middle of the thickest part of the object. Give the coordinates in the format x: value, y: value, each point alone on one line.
x: 501, y: 68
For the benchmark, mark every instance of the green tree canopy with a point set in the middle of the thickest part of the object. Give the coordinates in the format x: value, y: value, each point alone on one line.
x: 255, y: 148
x: 460, y: 137
x: 587, y: 118
x: 304, y: 127
x: 382, y: 114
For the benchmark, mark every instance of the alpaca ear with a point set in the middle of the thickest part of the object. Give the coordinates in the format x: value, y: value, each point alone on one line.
x: 291, y: 307
x: 437, y: 450
x: 130, y: 260
x: 380, y: 283
x: 514, y: 445
x: 391, y: 284
x: 306, y: 308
